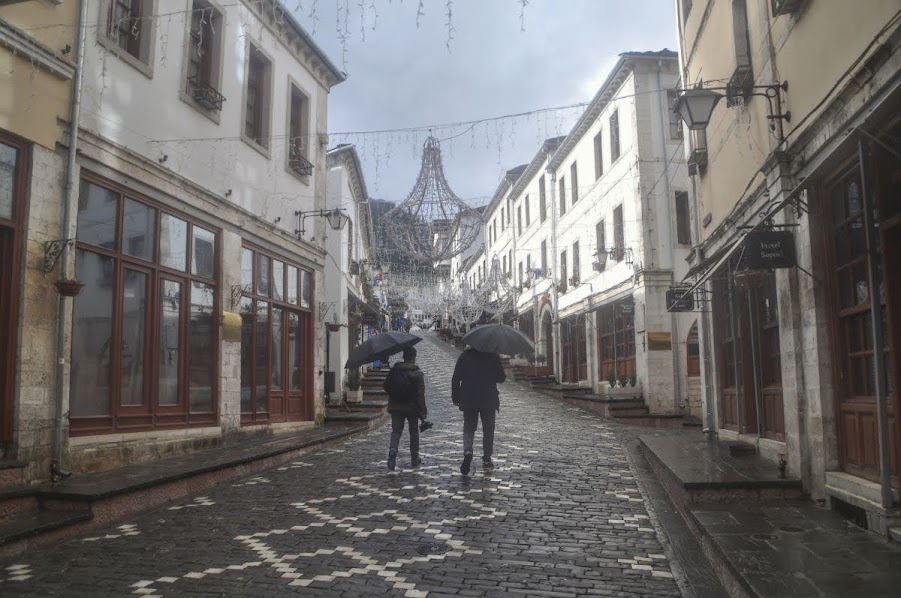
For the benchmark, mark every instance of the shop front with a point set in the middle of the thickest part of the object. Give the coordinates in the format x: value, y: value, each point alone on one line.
x: 276, y: 339
x: 861, y: 204
x: 573, y: 349
x: 145, y: 335
x: 14, y: 166
x: 616, y: 339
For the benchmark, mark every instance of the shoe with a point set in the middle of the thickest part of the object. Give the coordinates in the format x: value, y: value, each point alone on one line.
x: 426, y: 425
x: 392, y: 459
x: 487, y: 463
x: 467, y: 459
x: 416, y: 462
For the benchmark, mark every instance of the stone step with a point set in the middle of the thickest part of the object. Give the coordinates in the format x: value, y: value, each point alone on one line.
x: 21, y: 526
x: 737, y: 448
x: 620, y: 411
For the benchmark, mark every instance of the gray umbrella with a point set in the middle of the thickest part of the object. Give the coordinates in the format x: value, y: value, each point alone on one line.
x: 380, y: 347
x: 499, y: 338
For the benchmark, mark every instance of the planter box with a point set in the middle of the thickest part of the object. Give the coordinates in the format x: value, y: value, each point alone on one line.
x: 617, y: 392
x: 355, y: 396
x: 537, y: 371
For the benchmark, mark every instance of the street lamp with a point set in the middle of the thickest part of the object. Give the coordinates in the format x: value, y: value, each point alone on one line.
x: 336, y: 219
x: 695, y: 107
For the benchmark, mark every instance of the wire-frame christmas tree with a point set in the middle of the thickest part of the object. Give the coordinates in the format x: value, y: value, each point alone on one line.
x: 432, y: 223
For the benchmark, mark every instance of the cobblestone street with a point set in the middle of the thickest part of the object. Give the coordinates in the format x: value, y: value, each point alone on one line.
x: 560, y: 515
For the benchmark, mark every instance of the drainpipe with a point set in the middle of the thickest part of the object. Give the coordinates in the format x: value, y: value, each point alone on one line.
x: 874, y: 256
x: 556, y: 258
x: 667, y: 242
x: 71, y: 196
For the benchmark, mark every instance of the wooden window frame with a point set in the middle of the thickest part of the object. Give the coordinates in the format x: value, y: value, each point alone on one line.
x: 542, y: 199
x: 683, y: 218
x: 279, y: 409
x: 11, y: 245
x: 151, y: 415
x: 257, y: 99
x: 615, y: 149
x: 562, y: 191
x: 574, y: 182
x: 619, y: 234
x: 616, y: 339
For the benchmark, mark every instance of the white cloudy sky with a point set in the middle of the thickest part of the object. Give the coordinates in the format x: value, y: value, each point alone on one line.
x: 403, y: 76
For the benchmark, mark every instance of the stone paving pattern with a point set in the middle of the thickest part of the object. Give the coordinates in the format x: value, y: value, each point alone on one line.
x: 561, y: 514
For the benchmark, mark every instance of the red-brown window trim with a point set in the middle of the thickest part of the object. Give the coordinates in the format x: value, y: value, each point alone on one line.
x: 254, y: 417
x: 10, y: 312
x: 156, y: 417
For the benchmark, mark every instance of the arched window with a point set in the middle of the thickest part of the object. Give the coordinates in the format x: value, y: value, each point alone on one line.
x: 694, y: 351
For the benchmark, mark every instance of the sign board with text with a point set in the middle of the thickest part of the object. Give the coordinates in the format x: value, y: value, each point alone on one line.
x: 769, y: 249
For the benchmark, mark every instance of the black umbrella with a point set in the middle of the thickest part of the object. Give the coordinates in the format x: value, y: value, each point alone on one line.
x: 498, y: 338
x: 380, y: 347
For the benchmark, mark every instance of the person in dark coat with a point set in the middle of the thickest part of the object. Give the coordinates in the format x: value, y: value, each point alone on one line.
x: 474, y: 391
x: 405, y: 386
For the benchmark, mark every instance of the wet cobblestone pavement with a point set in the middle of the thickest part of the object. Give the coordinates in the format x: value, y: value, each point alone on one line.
x: 560, y: 515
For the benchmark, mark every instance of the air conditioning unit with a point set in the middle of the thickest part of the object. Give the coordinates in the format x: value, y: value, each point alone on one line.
x: 597, y: 266
x: 574, y: 281
x: 784, y: 7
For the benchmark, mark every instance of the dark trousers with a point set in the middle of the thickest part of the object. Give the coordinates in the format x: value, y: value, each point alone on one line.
x: 397, y: 428
x: 470, y: 423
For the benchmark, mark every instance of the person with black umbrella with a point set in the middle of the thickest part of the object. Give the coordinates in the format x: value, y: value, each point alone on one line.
x: 405, y: 386
x: 474, y: 391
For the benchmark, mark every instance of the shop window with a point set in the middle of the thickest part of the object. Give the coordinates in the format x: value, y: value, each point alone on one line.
x: 693, y: 351
x: 616, y: 339
x: 276, y: 340
x: 137, y: 311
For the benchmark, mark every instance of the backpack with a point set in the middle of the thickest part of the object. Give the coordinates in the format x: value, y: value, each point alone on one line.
x: 400, y: 384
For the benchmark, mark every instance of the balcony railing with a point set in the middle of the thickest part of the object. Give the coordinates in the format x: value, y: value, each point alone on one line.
x: 297, y: 161
x: 205, y: 94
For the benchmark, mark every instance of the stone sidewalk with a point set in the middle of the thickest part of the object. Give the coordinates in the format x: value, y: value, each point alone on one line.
x: 560, y: 515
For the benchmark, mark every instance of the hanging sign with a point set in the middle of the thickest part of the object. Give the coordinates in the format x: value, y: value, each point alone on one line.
x: 679, y: 299
x: 765, y: 250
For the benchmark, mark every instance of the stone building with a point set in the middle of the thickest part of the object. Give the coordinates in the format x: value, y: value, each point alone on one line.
x: 795, y: 178
x: 351, y: 299
x: 201, y: 135
x: 591, y: 234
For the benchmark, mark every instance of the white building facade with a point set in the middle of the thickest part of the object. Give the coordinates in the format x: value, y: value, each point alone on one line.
x: 202, y: 138
x: 595, y: 230
x: 350, y: 298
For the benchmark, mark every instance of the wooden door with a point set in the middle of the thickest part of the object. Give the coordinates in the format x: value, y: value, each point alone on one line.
x: 852, y: 346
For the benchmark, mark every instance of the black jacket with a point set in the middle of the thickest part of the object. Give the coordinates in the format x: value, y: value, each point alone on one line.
x: 405, y: 386
x: 476, y: 376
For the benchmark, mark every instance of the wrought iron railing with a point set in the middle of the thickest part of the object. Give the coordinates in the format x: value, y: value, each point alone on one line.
x: 298, y: 162
x: 205, y: 94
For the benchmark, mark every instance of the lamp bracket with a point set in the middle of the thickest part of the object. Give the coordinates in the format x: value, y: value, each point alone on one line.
x: 52, y: 251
